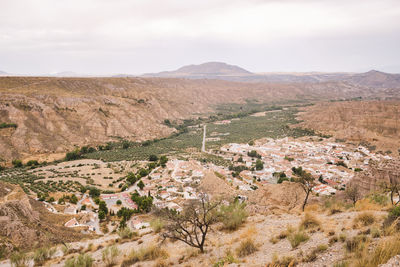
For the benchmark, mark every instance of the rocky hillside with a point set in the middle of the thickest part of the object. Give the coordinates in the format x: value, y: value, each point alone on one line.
x: 373, y: 122
x: 23, y: 218
x: 52, y: 115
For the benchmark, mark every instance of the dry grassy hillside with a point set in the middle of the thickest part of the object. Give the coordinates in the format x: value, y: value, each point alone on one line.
x: 375, y: 122
x: 55, y: 114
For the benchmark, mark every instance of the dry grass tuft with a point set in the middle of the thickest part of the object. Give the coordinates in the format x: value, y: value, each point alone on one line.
x: 312, y: 208
x: 151, y: 252
x: 246, y: 247
x: 367, y: 204
x: 157, y: 225
x: 274, y: 240
x: 296, y: 238
x: 162, y: 263
x: 110, y: 255
x: 285, y: 261
x: 226, y: 260
x: 309, y: 222
x: 356, y: 243
x: 385, y: 250
x: 364, y: 219
x: 250, y: 231
x: 126, y: 233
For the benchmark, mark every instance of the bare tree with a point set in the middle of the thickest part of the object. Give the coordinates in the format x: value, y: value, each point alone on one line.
x: 306, y: 181
x: 192, y: 224
x: 352, y: 193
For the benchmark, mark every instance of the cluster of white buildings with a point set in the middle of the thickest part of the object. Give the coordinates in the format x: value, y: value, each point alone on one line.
x: 336, y: 163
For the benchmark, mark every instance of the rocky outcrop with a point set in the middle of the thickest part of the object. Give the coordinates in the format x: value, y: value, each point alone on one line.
x: 377, y: 176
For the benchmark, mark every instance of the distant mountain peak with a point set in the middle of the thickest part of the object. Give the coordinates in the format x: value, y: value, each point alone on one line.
x: 204, y: 70
x: 214, y: 68
x: 374, y: 72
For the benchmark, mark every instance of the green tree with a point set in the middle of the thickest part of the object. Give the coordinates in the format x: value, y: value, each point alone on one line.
x: 259, y: 165
x: 73, y: 199
x: 140, y: 185
x: 131, y: 178
x: 102, y: 215
x: 125, y: 214
x: 17, y: 163
x: 253, y: 154
x: 103, y: 207
x: 153, y: 157
x: 32, y: 163
x: 143, y: 172
x: 163, y: 161
x: 94, y: 192
x: 73, y: 155
x: 144, y: 203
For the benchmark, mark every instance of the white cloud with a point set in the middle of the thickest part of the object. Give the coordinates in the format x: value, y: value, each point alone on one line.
x: 101, y: 29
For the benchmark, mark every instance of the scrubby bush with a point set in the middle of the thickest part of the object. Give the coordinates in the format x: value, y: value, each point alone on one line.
x: 356, y: 242
x: 228, y: 259
x: 82, y: 260
x: 296, y: 238
x: 233, y: 215
x: 73, y: 199
x: 153, y: 158
x: 385, y: 250
x: 110, y: 255
x: 309, y: 221
x: 246, y: 247
x: 157, y: 225
x: 17, y: 163
x: 73, y: 155
x: 259, y: 165
x: 42, y: 255
x: 20, y: 259
x: 365, y: 219
x: 379, y: 199
x: 32, y: 163
x: 283, y: 261
x: 126, y: 233
x: 143, y: 254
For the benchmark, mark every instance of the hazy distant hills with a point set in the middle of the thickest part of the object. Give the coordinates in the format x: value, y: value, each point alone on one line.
x: 375, y: 78
x: 205, y: 70
x: 3, y: 73
x: 223, y: 71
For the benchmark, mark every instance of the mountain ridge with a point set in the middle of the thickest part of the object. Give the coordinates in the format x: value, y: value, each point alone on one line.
x: 212, y: 68
x: 224, y: 71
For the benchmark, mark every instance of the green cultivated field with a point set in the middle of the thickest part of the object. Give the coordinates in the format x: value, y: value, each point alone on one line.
x: 243, y: 130
x: 273, y: 125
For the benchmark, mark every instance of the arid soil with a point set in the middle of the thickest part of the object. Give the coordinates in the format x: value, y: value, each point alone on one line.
x: 374, y: 122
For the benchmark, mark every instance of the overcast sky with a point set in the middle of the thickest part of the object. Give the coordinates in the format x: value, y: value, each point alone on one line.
x: 139, y: 36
